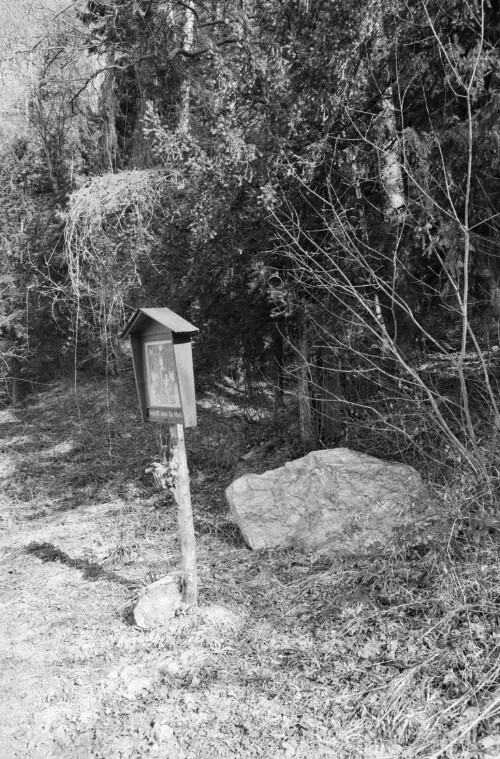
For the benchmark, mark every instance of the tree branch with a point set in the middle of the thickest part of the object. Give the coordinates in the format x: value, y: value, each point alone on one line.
x: 200, y: 50
x: 189, y: 8
x: 212, y: 23
x: 109, y: 67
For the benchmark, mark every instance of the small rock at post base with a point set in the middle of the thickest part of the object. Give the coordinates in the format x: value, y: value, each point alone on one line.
x: 331, y: 500
x: 158, y: 604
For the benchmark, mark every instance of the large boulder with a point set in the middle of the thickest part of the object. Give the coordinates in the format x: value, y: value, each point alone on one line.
x: 337, y: 500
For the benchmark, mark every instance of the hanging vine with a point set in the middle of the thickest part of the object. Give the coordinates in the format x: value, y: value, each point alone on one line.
x: 109, y: 235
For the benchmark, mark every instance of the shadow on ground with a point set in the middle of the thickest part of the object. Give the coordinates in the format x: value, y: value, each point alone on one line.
x: 91, y: 571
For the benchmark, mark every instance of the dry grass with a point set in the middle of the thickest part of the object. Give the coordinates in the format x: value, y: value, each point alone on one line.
x: 291, y: 656
x: 109, y: 232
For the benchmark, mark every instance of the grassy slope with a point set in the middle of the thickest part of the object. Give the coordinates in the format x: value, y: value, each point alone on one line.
x: 292, y: 656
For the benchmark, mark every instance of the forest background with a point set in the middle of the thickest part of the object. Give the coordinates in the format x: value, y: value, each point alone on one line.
x: 313, y: 184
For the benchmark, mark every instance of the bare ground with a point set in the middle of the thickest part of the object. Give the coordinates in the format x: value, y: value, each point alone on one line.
x: 78, y: 680
x: 287, y: 656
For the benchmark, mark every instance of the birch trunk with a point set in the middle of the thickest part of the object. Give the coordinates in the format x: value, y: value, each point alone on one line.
x: 185, y: 93
x: 391, y: 172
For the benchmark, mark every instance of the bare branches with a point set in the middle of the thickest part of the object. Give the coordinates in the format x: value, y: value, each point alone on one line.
x: 355, y: 264
x: 200, y: 50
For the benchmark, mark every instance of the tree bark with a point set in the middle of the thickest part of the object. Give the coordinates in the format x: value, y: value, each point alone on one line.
x: 279, y: 393
x: 329, y: 404
x: 109, y: 109
x: 391, y: 171
x: 306, y: 417
x: 16, y: 394
x: 185, y: 92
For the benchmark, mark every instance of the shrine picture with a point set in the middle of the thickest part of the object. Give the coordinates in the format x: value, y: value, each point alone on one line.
x: 162, y: 386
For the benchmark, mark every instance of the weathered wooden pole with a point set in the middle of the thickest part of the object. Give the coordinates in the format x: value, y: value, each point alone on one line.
x: 182, y: 495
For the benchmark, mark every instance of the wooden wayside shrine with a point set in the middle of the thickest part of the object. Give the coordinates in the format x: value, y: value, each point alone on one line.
x: 160, y: 341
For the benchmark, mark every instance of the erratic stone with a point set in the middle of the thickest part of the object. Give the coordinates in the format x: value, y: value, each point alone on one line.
x: 158, y: 604
x: 7, y: 417
x: 335, y: 500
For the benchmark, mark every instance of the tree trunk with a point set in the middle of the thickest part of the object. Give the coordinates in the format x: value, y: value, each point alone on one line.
x: 278, y: 360
x: 330, y: 400
x: 106, y: 105
x: 185, y: 90
x: 16, y: 394
x: 391, y: 172
x: 306, y: 417
x: 377, y: 309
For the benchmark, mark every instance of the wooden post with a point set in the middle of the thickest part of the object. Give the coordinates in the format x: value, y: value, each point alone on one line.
x: 163, y: 367
x: 182, y: 497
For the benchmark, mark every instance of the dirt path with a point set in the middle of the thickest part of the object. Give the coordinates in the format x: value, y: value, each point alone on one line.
x: 56, y: 627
